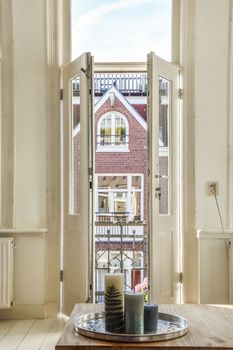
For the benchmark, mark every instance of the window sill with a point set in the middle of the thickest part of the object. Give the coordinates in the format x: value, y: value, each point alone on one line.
x: 23, y: 231
x: 112, y: 149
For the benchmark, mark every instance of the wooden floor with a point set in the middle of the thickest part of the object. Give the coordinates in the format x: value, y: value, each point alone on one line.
x: 32, y: 334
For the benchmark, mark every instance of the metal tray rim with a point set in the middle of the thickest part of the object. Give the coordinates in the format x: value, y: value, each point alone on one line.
x: 121, y: 337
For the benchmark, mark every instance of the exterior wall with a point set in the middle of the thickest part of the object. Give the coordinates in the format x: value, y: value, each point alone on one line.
x: 134, y: 161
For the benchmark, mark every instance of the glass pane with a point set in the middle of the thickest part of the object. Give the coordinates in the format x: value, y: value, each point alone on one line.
x: 136, y: 182
x: 105, y: 136
x: 112, y: 182
x: 103, y: 202
x: 136, y: 206
x: 120, y: 202
x: 75, y: 148
x: 120, y: 132
x: 164, y: 145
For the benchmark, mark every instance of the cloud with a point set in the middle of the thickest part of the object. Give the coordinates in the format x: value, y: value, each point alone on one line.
x: 95, y: 14
x: 94, y: 30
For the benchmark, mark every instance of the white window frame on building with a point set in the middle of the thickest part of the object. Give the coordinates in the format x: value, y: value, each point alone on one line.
x: 112, y: 144
x: 128, y: 190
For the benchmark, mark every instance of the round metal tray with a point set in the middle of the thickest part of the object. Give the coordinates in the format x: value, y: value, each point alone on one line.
x: 93, y: 326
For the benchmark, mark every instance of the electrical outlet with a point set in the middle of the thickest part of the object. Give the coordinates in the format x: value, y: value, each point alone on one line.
x: 212, y: 188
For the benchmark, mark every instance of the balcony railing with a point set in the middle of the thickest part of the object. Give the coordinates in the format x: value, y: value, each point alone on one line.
x: 129, y: 84
x: 102, y: 217
x: 112, y: 140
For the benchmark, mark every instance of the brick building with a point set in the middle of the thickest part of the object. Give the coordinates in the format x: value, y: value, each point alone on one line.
x: 121, y: 150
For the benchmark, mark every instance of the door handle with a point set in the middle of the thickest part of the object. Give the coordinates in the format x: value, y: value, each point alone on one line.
x: 158, y: 193
x: 157, y: 176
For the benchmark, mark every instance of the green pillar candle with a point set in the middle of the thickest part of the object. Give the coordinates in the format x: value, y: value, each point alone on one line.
x: 150, y: 318
x: 134, y: 313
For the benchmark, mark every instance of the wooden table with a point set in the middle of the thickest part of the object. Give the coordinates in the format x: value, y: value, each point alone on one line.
x: 210, y: 327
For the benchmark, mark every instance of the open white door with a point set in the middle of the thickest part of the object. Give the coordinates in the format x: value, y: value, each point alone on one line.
x: 163, y: 107
x: 77, y: 145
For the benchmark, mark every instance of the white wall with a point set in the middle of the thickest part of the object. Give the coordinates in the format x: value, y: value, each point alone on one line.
x: 36, y: 253
x: 214, y: 273
x: 211, y: 115
x: 211, y: 125
x: 30, y: 116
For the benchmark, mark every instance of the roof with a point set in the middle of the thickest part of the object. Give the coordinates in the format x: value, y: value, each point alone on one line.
x: 141, y: 120
x: 141, y: 109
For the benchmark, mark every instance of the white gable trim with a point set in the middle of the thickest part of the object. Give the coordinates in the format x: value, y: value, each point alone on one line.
x: 127, y: 105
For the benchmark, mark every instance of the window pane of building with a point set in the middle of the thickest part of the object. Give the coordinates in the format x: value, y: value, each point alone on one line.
x: 120, y: 202
x: 103, y: 202
x: 136, y: 182
x: 112, y: 182
x: 136, y: 206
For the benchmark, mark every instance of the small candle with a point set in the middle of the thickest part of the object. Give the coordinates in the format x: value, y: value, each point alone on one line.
x: 114, y: 302
x: 134, y: 313
x: 150, y: 317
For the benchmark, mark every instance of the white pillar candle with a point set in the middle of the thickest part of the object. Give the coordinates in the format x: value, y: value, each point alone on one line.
x: 134, y: 313
x: 114, y: 302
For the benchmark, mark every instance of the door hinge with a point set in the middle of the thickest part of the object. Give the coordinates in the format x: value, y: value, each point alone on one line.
x: 90, y: 185
x: 12, y: 303
x: 61, y: 94
x: 61, y: 275
x: 180, y: 93
x: 86, y: 72
x: 180, y: 277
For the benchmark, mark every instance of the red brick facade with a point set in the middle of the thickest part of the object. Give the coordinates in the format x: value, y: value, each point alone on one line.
x: 134, y: 161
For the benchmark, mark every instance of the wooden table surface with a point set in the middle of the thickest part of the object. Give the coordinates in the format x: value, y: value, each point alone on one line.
x: 210, y: 327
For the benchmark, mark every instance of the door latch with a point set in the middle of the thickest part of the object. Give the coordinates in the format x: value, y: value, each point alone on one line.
x: 158, y: 193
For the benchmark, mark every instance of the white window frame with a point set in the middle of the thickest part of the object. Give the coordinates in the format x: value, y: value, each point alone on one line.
x: 113, y: 147
x: 129, y: 190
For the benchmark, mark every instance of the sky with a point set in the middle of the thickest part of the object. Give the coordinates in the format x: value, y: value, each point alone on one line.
x: 121, y: 30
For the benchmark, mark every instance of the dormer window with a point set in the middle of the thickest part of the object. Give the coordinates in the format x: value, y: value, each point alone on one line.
x: 113, y: 133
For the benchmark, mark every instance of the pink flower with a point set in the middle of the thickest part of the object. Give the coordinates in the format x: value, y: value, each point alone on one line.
x: 143, y: 287
x: 138, y: 288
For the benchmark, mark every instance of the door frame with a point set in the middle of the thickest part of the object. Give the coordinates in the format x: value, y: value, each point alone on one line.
x: 111, y: 67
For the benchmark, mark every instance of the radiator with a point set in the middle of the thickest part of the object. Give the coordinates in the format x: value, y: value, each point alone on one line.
x: 6, y: 272
x: 215, y: 269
